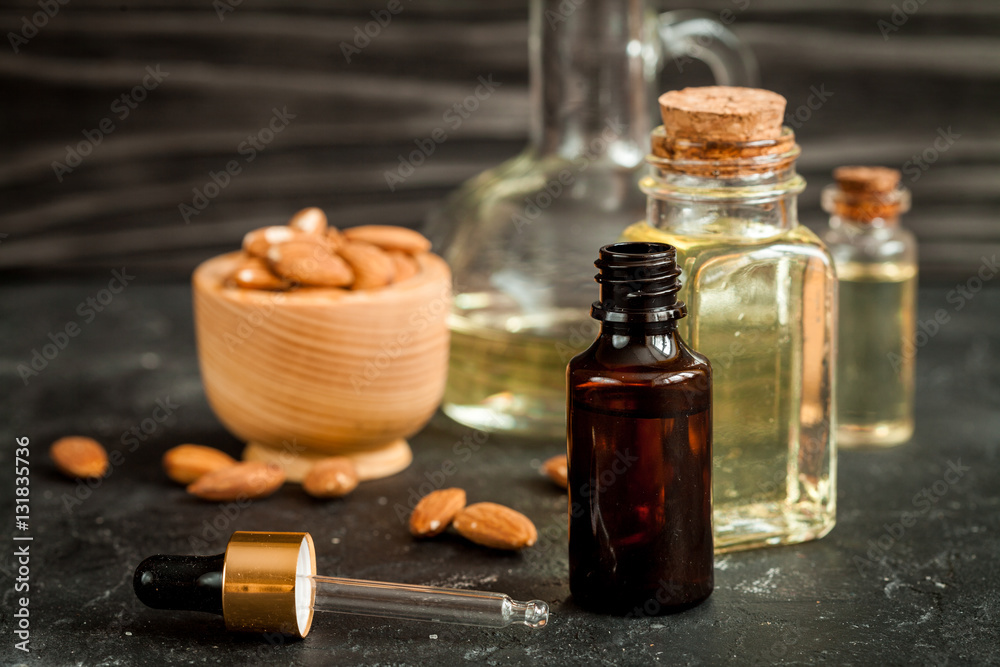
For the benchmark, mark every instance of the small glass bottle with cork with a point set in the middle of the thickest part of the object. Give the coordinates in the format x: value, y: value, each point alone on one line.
x: 761, y: 296
x: 876, y: 262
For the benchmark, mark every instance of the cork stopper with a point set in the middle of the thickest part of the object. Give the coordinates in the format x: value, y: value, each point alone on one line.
x: 722, y: 132
x: 722, y: 113
x: 866, y: 194
x: 866, y: 179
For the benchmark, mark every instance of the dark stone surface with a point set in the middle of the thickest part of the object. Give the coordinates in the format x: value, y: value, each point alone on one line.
x: 928, y: 596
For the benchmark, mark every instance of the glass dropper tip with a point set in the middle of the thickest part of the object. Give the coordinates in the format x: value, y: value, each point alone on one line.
x: 534, y: 613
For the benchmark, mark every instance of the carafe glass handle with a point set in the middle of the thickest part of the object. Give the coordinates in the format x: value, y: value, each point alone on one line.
x: 688, y: 35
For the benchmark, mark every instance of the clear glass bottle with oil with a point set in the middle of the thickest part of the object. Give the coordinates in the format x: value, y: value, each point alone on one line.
x: 876, y: 263
x: 761, y: 297
x: 520, y: 237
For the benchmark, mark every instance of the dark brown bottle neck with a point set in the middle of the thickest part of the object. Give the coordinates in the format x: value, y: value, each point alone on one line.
x: 638, y: 285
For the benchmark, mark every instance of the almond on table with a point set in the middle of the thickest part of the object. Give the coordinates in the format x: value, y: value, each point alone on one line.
x: 79, y: 456
x: 557, y: 470
x: 187, y: 463
x: 332, y: 477
x: 496, y: 526
x: 251, y: 479
x: 435, y: 512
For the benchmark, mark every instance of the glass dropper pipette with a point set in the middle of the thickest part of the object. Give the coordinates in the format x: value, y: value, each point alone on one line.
x: 424, y: 603
x: 266, y: 582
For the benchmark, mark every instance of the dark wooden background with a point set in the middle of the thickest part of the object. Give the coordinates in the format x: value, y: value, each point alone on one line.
x: 940, y: 70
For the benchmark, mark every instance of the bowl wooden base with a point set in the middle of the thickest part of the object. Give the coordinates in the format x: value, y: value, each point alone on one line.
x: 372, y: 464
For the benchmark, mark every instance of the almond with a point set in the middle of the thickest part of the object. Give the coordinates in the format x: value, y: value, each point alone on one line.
x: 556, y: 469
x: 78, y: 456
x: 254, y: 273
x: 187, y: 463
x: 406, y: 266
x: 435, y: 512
x: 372, y: 266
x: 310, y: 221
x: 309, y: 263
x: 259, y: 241
x: 496, y: 526
x: 251, y: 479
x: 334, y: 238
x: 389, y: 237
x: 331, y: 478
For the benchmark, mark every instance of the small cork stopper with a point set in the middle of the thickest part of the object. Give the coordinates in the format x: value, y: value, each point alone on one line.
x: 866, y: 179
x: 722, y: 113
x: 866, y: 194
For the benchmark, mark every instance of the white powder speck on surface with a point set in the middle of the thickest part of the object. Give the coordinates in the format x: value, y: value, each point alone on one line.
x: 763, y: 584
x: 383, y: 501
x: 723, y: 564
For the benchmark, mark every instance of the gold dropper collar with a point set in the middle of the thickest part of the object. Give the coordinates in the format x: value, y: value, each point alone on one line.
x: 259, y: 585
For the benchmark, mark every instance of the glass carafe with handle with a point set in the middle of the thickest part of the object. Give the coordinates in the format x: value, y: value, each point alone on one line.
x: 519, y: 237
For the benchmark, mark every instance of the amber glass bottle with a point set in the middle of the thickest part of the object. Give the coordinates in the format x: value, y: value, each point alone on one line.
x: 640, y: 445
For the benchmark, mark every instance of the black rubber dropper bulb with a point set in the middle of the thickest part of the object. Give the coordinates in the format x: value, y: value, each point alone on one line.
x: 189, y: 583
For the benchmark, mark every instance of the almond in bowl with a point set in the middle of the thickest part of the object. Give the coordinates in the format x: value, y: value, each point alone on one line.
x: 316, y: 343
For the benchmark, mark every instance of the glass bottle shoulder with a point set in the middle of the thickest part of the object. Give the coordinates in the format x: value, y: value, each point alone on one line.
x: 706, y: 254
x: 886, y: 246
x: 624, y: 359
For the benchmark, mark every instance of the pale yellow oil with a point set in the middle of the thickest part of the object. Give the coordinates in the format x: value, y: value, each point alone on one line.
x: 760, y: 311
x: 877, y: 355
x: 508, y: 372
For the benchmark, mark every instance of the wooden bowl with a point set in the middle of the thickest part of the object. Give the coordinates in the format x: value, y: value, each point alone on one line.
x: 321, y: 371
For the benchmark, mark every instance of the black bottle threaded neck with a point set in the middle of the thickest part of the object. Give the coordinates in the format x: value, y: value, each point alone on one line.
x: 638, y: 283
